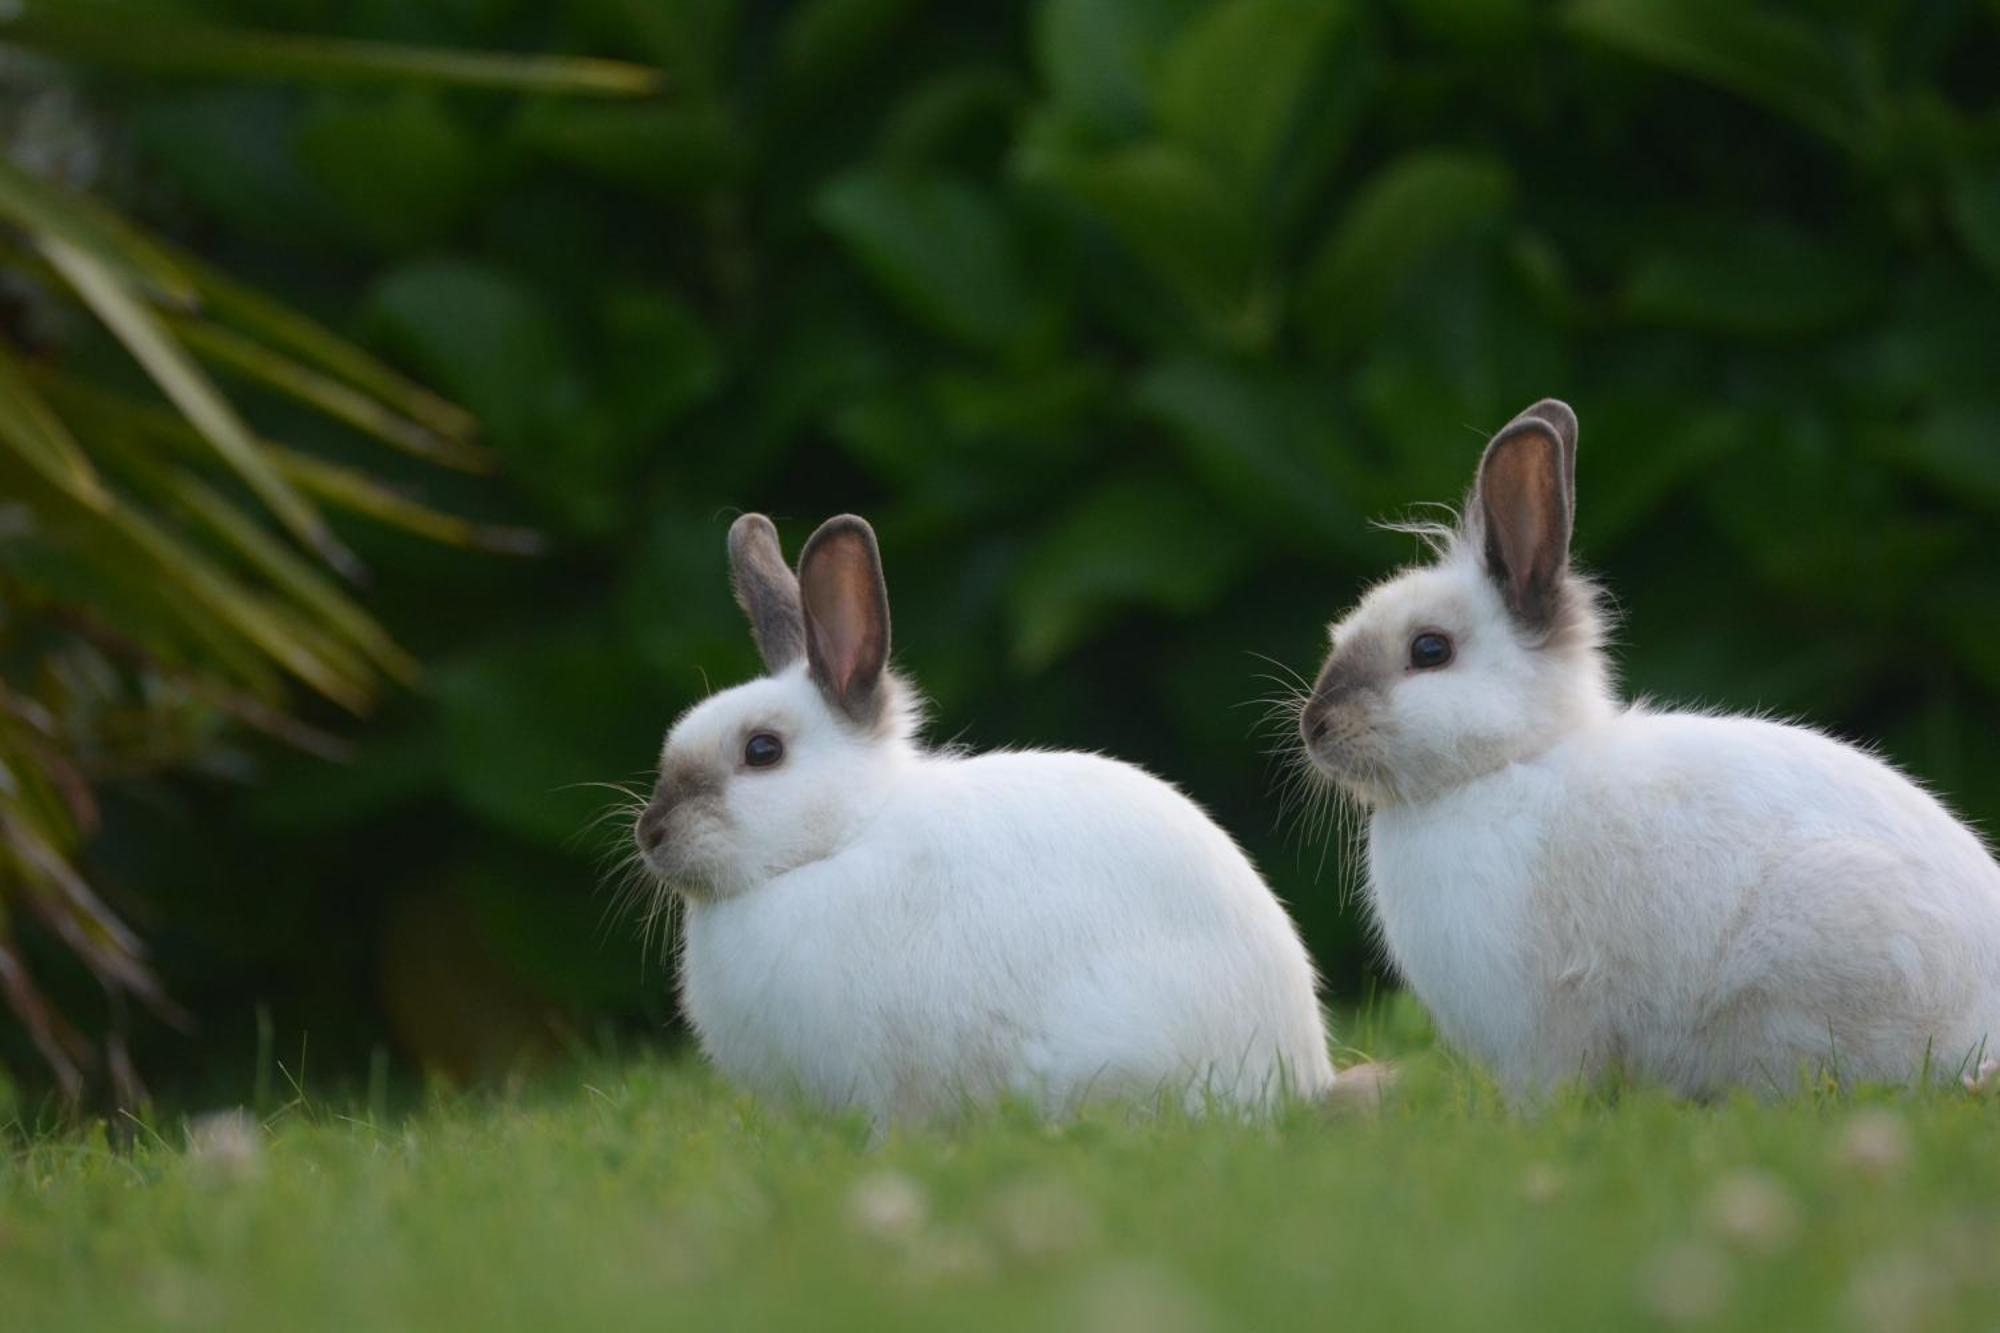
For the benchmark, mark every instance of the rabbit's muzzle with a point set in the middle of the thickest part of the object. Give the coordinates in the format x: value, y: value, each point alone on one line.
x: 654, y: 831
x: 1334, y: 720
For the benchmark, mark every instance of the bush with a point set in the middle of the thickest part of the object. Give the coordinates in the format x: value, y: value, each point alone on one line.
x: 1121, y: 318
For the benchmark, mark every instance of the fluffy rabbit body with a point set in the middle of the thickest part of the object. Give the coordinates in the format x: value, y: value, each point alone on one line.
x: 1574, y: 885
x: 873, y: 925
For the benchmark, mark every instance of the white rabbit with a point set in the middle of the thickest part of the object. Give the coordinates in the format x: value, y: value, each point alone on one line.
x: 1574, y: 885
x: 873, y: 925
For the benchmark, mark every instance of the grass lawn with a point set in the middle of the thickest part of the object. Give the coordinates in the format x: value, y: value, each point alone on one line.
x: 650, y: 1196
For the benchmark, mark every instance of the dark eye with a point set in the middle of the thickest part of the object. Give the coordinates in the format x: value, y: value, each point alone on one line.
x: 1430, y: 650
x: 763, y: 750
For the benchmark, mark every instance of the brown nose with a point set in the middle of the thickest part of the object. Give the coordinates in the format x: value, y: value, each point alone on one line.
x: 1312, y: 723
x: 651, y: 830
x: 1337, y: 684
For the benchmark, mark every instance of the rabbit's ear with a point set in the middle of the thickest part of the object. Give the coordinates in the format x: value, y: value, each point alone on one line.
x: 767, y: 591
x: 1558, y: 416
x: 1526, y: 500
x: 846, y: 617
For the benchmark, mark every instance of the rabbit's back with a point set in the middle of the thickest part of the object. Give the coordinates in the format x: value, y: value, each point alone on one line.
x: 1032, y: 923
x: 1714, y: 901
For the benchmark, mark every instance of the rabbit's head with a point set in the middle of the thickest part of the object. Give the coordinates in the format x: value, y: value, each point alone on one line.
x: 1446, y: 672
x: 782, y: 771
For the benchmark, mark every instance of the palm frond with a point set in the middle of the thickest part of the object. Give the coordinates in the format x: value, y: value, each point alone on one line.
x: 164, y: 566
x: 116, y: 36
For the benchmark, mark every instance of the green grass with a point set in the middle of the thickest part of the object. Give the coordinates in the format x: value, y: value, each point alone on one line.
x: 651, y: 1196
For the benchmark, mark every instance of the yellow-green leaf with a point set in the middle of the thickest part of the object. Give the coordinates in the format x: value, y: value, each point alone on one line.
x: 184, y: 383
x: 47, y: 213
x: 259, y: 315
x: 81, y: 31
x: 295, y: 576
x: 340, y: 401
x: 38, y: 435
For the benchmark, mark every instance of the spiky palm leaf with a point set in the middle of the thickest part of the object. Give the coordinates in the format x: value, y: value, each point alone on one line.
x: 165, y: 571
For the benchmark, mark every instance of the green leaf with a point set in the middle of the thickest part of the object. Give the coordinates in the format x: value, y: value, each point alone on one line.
x: 946, y: 251
x: 482, y: 332
x: 358, y: 493
x: 285, y: 638
x: 1237, y: 83
x: 38, y: 435
x: 533, y: 723
x: 1665, y: 447
x: 1098, y: 58
x: 1957, y: 447
x: 54, y: 1039
x: 46, y: 212
x: 1179, y: 218
x: 110, y: 417
x: 398, y: 167
x: 955, y: 116
x: 1972, y: 202
x: 116, y: 36
x: 318, y: 596
x: 150, y: 343
x: 1263, y: 445
x: 660, y: 360
x: 1140, y: 542
x: 665, y: 151
x: 1407, y: 212
x: 1749, y: 279
x: 1752, y: 49
x: 274, y: 371
x: 493, y: 339
x: 694, y: 41
x: 288, y: 330
x: 822, y: 42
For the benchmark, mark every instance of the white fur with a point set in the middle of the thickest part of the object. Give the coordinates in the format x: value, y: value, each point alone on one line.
x: 1574, y: 886
x: 870, y: 925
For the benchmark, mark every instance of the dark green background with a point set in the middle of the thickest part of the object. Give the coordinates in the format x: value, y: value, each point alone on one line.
x: 1120, y: 318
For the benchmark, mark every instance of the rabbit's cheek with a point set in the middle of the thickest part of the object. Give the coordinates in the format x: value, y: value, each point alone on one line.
x: 678, y: 832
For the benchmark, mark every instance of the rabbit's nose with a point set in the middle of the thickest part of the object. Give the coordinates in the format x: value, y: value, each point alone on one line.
x: 651, y: 830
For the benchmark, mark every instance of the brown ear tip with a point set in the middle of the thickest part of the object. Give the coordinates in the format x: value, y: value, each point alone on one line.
x: 1524, y: 427
x: 838, y: 530
x: 853, y: 523
x: 1557, y: 415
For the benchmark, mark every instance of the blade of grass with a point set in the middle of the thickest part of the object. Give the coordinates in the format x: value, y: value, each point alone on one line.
x: 184, y: 383
x: 98, y: 35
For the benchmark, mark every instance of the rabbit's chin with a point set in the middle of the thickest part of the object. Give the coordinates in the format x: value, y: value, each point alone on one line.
x: 675, y: 874
x: 1354, y: 776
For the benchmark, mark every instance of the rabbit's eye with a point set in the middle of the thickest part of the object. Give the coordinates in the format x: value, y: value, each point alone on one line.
x: 763, y: 750
x: 1430, y: 650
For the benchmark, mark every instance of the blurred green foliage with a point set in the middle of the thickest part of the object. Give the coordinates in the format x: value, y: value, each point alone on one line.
x: 1121, y: 318
x: 151, y: 611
